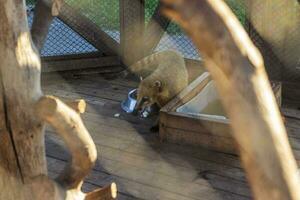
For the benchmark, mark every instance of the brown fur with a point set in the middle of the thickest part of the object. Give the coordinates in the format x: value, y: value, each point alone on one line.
x: 166, y: 76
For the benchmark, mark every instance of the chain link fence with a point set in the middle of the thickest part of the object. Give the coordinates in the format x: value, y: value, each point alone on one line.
x: 266, y: 25
x: 174, y: 38
x: 103, y: 13
x: 63, y: 40
x: 278, y: 25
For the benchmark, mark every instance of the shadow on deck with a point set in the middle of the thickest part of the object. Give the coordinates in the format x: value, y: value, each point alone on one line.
x: 133, y: 157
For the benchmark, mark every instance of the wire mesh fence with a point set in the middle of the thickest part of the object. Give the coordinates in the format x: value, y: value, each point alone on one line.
x: 104, y: 13
x: 278, y: 24
x: 174, y: 38
x: 63, y: 39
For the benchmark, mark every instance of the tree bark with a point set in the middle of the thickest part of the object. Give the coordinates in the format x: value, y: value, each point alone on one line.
x: 241, y: 80
x: 20, y: 84
x: 23, y: 112
x: 42, y: 19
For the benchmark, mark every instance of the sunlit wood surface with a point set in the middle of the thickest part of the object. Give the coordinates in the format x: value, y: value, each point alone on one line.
x: 133, y: 157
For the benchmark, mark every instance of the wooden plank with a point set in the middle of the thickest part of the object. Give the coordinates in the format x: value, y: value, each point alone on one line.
x: 125, y: 82
x: 72, y: 56
x: 132, y: 20
x: 292, y: 113
x: 130, y: 148
x: 185, y: 128
x: 55, y: 165
x: 155, y: 30
x: 142, y: 137
x: 68, y: 95
x: 104, y: 114
x: 84, y: 75
x: 146, y: 157
x: 81, y: 63
x: 108, y: 108
x: 215, y: 127
x: 181, y: 136
x: 291, y: 93
x: 125, y: 185
x: 92, y: 84
x: 89, y: 91
x: 125, y: 148
x: 148, y: 177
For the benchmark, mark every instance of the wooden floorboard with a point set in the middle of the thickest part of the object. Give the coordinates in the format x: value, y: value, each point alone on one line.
x: 133, y: 157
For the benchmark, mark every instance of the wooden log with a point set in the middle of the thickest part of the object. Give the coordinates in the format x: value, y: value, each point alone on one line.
x: 42, y: 19
x: 107, y: 193
x: 241, y: 80
x: 79, y: 105
x: 155, y: 30
x: 69, y: 126
x: 88, y: 30
x: 132, y: 30
x: 20, y: 87
x: 23, y: 171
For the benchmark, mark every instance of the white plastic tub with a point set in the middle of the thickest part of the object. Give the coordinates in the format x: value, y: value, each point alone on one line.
x: 206, y: 104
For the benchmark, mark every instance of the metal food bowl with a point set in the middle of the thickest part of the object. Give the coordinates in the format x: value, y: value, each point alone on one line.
x: 129, y: 103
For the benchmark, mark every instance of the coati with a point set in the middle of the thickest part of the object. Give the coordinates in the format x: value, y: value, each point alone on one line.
x: 164, y: 76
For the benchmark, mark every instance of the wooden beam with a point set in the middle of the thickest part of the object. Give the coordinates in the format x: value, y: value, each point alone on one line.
x: 72, y: 56
x: 23, y: 112
x: 51, y: 65
x: 42, y: 20
x: 132, y: 18
x: 238, y: 70
x: 155, y: 30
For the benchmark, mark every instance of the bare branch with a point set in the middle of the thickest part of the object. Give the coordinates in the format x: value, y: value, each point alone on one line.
x: 69, y: 126
x: 107, y: 193
x: 44, y: 13
x: 78, y: 105
x: 238, y: 69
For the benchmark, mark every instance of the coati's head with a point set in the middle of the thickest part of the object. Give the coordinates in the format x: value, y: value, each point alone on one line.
x: 147, y: 93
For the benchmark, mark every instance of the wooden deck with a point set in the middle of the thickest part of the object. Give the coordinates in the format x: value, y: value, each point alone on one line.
x: 133, y: 157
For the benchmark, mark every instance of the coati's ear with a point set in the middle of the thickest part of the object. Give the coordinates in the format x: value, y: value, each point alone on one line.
x: 158, y: 85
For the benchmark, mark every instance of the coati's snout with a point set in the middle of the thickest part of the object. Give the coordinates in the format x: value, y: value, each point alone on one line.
x: 142, y: 104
